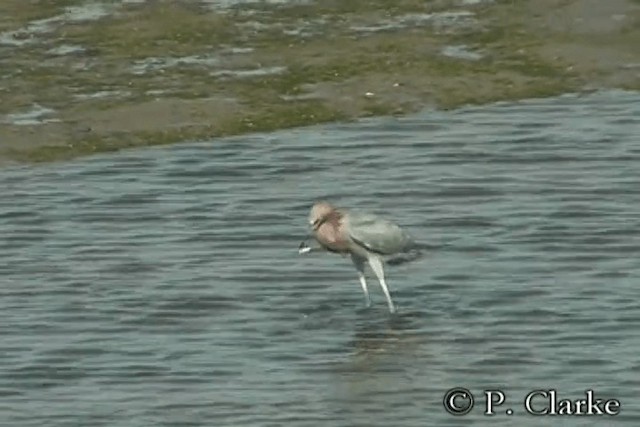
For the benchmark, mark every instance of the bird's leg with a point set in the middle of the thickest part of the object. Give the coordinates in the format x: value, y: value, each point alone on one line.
x: 376, y: 266
x: 359, y: 264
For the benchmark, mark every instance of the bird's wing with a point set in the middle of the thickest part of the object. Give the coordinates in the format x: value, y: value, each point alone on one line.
x: 376, y: 234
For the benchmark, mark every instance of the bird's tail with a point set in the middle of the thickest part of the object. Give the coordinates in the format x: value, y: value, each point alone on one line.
x: 414, y: 252
x: 411, y: 253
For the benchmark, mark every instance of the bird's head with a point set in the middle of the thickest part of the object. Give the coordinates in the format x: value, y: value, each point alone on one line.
x: 320, y: 212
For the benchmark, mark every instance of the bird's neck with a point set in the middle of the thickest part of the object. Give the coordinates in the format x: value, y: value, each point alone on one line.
x: 331, y: 234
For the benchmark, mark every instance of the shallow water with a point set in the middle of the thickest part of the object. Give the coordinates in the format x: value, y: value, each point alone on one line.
x: 163, y: 286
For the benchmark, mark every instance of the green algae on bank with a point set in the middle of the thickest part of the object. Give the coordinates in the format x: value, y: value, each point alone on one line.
x: 273, y: 75
x: 269, y: 119
x: 157, y: 29
x: 15, y: 14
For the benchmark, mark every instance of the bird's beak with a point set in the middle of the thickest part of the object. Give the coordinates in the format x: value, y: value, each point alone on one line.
x: 304, y: 248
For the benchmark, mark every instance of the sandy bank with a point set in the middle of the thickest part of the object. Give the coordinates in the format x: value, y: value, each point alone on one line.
x: 80, y: 79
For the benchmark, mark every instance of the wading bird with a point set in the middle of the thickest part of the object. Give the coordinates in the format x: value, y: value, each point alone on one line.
x: 365, y: 237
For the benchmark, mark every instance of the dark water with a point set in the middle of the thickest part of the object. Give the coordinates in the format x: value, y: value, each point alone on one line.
x: 162, y: 287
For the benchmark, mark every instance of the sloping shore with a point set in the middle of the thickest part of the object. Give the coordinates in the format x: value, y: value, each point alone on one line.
x: 80, y: 78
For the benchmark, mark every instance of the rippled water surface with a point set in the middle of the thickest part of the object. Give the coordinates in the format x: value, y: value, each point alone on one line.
x: 163, y: 286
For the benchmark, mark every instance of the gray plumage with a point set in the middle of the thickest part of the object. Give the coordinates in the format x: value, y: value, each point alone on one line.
x: 376, y: 234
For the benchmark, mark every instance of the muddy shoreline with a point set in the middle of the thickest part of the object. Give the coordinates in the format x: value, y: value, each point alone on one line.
x: 84, y: 77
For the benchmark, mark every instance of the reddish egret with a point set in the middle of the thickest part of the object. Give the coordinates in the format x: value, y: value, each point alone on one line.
x: 365, y: 237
